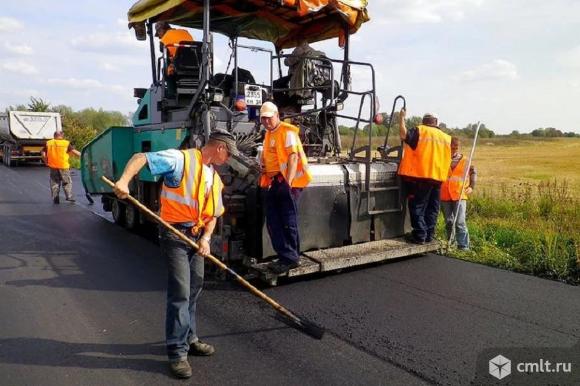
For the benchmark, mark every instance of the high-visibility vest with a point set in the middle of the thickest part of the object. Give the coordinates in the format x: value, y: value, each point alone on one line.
x: 182, y: 204
x: 277, y: 139
x: 57, y: 153
x: 453, y: 189
x: 175, y: 36
x: 431, y: 158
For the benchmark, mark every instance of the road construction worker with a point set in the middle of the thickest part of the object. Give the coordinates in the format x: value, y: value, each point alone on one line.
x: 454, y: 193
x: 191, y: 201
x: 285, y: 173
x: 55, y: 154
x: 424, y: 166
x: 169, y: 36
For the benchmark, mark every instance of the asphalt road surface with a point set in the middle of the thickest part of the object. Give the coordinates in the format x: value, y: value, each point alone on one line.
x: 82, y: 303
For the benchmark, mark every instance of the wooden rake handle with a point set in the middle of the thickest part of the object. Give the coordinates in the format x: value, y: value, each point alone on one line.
x: 211, y: 258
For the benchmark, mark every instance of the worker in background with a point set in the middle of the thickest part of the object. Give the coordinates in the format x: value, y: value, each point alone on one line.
x: 191, y: 201
x: 454, y: 193
x: 169, y: 36
x: 285, y: 174
x: 424, y: 166
x: 55, y: 154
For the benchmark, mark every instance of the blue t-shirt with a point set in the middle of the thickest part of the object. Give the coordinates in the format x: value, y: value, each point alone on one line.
x: 167, y: 163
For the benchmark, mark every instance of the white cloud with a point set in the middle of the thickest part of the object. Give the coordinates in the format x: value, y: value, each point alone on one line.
x: 122, y: 22
x: 87, y: 84
x: 570, y: 58
x: 8, y: 24
x: 107, y: 66
x: 20, y: 49
x: 19, y: 67
x: 498, y: 69
x: 111, y: 43
x: 425, y: 11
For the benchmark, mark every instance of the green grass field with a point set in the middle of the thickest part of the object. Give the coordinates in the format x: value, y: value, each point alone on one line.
x: 525, y: 212
x: 513, y: 162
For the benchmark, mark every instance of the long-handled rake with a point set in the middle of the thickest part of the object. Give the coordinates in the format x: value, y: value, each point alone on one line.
x: 301, y: 324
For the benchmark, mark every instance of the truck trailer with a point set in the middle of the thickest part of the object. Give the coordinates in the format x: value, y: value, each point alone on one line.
x: 23, y: 134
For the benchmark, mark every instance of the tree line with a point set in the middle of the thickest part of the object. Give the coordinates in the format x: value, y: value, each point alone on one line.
x: 79, y: 127
x: 468, y: 131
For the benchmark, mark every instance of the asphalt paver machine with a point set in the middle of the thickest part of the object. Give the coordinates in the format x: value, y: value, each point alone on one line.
x: 351, y: 214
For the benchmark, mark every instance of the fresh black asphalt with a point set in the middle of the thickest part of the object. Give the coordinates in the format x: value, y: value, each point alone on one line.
x: 82, y: 303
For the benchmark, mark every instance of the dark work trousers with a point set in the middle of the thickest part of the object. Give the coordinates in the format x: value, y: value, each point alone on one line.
x: 282, y: 219
x: 423, y: 199
x: 184, y: 285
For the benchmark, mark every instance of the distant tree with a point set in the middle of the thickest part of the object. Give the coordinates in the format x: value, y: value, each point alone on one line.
x: 571, y: 134
x: 515, y: 133
x: 345, y: 130
x: 553, y: 132
x: 484, y: 132
x: 38, y: 105
x: 538, y: 132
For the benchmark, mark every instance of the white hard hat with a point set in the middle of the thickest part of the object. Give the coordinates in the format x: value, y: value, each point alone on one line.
x: 268, y: 110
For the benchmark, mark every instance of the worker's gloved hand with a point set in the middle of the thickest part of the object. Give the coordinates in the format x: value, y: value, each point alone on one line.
x: 203, y: 247
x: 121, y: 189
x: 468, y: 190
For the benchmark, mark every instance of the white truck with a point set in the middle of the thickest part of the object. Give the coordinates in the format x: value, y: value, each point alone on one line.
x: 23, y: 134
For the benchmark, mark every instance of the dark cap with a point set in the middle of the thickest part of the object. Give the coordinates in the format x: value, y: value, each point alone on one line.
x: 227, y: 138
x: 159, y: 26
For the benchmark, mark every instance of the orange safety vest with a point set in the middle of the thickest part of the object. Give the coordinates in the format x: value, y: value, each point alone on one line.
x: 182, y: 204
x: 175, y: 36
x: 57, y: 153
x: 453, y: 188
x: 277, y: 139
x: 431, y: 158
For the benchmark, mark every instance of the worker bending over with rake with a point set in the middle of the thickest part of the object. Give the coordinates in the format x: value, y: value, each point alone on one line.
x: 191, y: 201
x: 285, y: 174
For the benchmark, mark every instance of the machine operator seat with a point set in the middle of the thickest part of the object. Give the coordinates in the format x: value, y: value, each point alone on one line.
x: 186, y: 64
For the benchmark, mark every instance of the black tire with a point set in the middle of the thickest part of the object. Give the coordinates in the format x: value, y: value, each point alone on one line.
x: 8, y: 157
x: 118, y: 212
x: 131, y: 217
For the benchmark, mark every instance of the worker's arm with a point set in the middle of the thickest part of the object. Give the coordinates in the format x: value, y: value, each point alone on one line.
x: 205, y: 239
x: 292, y: 167
x: 402, y: 126
x: 133, y: 167
x: 75, y: 152
x: 43, y: 155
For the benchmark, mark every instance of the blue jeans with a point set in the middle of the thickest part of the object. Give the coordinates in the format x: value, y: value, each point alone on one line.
x: 461, y: 232
x: 423, y: 199
x: 184, y: 284
x: 282, y: 219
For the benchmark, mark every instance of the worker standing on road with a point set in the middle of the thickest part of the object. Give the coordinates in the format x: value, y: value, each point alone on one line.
x: 191, y: 200
x: 55, y: 154
x: 285, y: 174
x: 454, y: 193
x: 424, y: 166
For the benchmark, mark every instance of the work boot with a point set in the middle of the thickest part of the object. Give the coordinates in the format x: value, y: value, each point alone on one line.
x: 180, y: 369
x: 56, y: 200
x: 71, y: 199
x: 282, y: 266
x: 411, y: 239
x: 200, y: 349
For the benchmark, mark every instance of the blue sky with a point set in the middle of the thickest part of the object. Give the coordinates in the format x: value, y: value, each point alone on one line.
x: 514, y: 65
